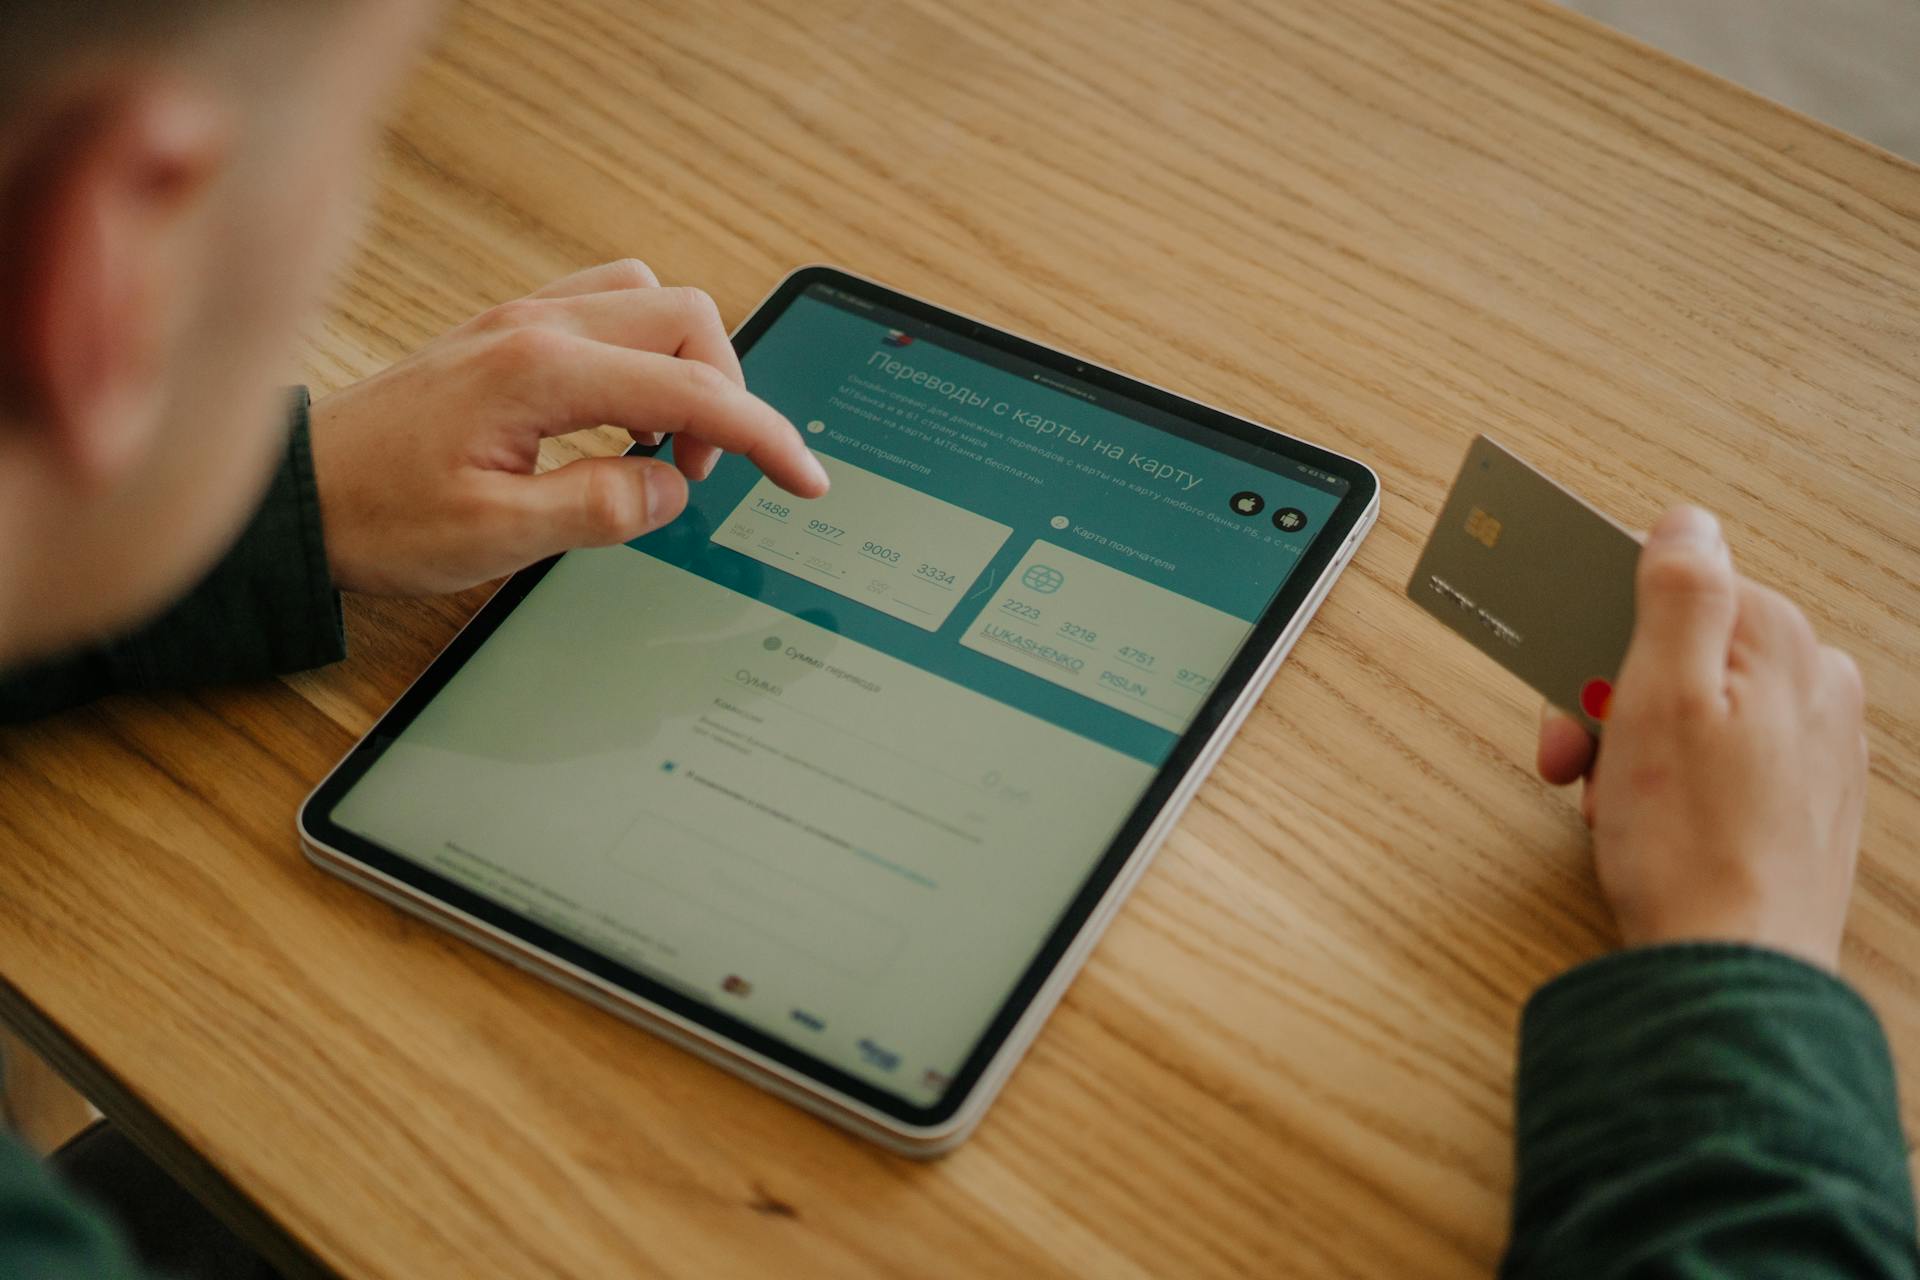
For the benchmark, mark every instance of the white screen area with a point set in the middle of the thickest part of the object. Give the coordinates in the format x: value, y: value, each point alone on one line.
x: 848, y: 852
x: 838, y: 768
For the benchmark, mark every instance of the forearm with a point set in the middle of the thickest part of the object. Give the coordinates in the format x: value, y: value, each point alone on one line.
x: 1707, y: 1111
x: 268, y: 607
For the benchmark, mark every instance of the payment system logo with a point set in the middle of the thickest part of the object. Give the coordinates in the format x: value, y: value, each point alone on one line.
x: 877, y: 1055
x: 1042, y: 579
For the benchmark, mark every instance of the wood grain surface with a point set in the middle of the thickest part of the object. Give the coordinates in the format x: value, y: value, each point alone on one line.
x: 1383, y: 225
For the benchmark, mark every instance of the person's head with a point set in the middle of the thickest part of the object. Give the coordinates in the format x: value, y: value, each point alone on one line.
x: 176, y: 177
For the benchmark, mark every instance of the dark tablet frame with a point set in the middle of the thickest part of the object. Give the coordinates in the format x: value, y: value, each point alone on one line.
x: 316, y: 814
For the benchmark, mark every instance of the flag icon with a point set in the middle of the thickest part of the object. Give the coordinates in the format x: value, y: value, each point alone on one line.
x: 895, y: 338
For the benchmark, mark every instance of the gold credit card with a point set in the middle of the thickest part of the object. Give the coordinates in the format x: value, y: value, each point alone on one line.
x: 1534, y: 578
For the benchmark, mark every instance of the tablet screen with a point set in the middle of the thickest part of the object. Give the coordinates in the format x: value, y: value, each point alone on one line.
x: 836, y: 768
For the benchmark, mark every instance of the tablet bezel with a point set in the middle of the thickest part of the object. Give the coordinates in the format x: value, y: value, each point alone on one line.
x: 1168, y: 787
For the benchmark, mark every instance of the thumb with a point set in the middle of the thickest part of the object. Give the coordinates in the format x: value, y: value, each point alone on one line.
x: 597, y: 502
x: 1566, y: 749
x: 1685, y: 603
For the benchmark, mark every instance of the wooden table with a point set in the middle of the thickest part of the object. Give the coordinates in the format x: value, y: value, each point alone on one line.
x: 1382, y: 224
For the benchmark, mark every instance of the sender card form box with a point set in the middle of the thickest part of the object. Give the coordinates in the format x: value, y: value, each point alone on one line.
x: 873, y: 540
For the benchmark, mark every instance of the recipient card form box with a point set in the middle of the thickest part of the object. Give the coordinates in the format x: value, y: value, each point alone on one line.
x: 873, y: 540
x: 1106, y: 634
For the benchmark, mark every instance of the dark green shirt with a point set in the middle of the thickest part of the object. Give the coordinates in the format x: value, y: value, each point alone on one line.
x: 1707, y: 1112
x: 268, y: 607
x: 1688, y: 1113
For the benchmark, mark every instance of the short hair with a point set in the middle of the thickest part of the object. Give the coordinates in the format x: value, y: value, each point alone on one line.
x: 43, y: 36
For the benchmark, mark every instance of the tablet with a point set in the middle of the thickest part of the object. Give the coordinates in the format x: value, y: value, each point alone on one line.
x: 839, y: 793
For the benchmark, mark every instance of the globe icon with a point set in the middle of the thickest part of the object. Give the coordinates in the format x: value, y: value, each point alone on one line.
x: 1042, y: 578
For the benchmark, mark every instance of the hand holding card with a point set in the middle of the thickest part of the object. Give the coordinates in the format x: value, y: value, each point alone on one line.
x: 1726, y: 801
x: 1534, y: 578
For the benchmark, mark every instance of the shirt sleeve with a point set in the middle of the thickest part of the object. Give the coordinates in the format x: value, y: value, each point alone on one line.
x: 268, y: 607
x: 48, y: 1234
x: 1707, y: 1112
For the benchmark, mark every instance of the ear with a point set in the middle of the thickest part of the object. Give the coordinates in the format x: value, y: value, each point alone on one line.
x: 100, y: 211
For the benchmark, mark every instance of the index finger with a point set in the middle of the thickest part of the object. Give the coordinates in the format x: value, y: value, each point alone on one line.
x: 594, y: 382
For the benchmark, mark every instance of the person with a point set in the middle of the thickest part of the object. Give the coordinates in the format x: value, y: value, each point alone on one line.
x: 1711, y: 1101
x: 175, y: 179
